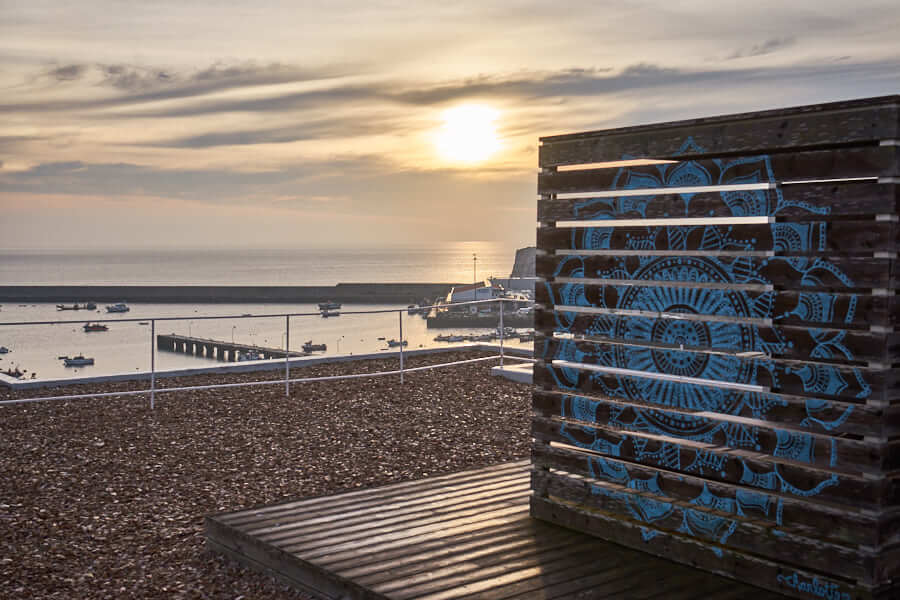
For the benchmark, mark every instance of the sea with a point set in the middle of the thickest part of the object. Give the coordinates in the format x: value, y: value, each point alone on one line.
x: 126, y: 346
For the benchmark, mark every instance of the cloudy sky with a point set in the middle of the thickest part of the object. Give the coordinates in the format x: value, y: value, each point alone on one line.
x: 320, y: 123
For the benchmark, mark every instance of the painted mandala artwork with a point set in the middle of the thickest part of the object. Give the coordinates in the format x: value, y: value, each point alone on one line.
x: 659, y: 346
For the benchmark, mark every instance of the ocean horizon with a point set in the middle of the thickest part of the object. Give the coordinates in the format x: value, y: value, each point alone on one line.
x: 447, y: 262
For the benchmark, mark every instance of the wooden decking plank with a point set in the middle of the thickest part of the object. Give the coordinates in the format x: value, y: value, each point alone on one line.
x: 361, y: 506
x: 395, y: 524
x: 364, y: 554
x: 442, y: 584
x: 312, y: 522
x: 607, y: 559
x: 504, y: 515
x: 352, y: 498
x: 471, y: 539
x: 486, y: 555
x: 451, y: 551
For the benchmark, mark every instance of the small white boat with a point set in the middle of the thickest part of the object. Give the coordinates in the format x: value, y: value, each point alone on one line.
x: 248, y: 356
x: 310, y: 347
x: 331, y: 313
x: 392, y: 343
x: 329, y: 305
x: 77, y: 361
x: 120, y: 307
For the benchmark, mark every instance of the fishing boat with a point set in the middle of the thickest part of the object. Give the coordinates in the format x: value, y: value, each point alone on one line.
x: 120, y: 307
x: 392, y: 343
x: 329, y: 305
x: 331, y: 313
x: 95, y: 327
x: 77, y: 361
x: 310, y: 347
x: 75, y: 306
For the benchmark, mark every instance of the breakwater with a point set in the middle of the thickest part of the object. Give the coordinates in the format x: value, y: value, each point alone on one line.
x: 363, y: 293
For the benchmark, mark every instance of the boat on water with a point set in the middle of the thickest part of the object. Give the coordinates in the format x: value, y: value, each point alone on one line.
x: 528, y: 336
x: 76, y: 306
x: 248, y: 356
x: 329, y: 305
x: 310, y: 347
x: 77, y: 361
x: 95, y: 327
x: 4, y: 350
x: 331, y: 313
x: 392, y: 343
x: 120, y: 307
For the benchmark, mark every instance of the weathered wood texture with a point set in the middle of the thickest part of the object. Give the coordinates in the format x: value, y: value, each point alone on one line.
x: 462, y: 536
x: 726, y: 392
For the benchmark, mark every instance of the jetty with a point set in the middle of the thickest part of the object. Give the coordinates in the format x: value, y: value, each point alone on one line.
x: 225, y: 351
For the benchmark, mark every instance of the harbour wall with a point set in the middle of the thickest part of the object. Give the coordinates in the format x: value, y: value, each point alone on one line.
x: 359, y: 293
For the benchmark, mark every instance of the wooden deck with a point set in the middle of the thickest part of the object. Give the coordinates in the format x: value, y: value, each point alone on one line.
x: 466, y: 535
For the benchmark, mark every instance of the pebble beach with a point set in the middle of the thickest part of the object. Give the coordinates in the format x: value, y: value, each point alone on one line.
x: 104, y: 498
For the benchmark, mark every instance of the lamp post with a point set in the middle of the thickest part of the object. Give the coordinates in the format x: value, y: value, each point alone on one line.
x: 474, y: 277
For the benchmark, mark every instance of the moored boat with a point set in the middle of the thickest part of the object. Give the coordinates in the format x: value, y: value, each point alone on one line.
x: 331, y: 313
x: 117, y: 308
x: 77, y: 361
x: 4, y: 350
x: 329, y: 305
x: 310, y: 347
x: 95, y: 327
x: 392, y: 343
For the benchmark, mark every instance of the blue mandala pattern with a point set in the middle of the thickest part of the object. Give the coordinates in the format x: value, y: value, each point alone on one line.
x: 703, y: 515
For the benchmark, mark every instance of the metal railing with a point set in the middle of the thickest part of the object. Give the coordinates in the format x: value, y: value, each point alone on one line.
x: 287, y: 380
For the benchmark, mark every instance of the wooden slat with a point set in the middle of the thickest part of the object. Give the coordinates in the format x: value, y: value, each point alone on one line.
x: 824, y: 417
x: 712, y: 427
x: 782, y: 239
x: 717, y: 528
x: 718, y: 463
x: 730, y: 563
x: 834, y: 124
x: 810, y: 519
x: 357, y: 498
x: 815, y: 309
x: 819, y: 380
x: 840, y: 274
x: 798, y: 202
x: 876, y: 161
x: 676, y: 332
x: 364, y: 510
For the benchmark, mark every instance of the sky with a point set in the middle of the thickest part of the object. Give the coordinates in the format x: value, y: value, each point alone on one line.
x: 214, y: 123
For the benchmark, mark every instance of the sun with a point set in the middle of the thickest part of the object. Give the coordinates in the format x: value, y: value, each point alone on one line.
x: 468, y: 133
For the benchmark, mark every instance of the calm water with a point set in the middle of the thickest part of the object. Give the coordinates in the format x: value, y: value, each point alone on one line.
x: 126, y: 346
x: 444, y: 263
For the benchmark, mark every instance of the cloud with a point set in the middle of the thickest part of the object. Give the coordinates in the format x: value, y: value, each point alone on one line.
x: 130, y: 78
x: 68, y: 72
x: 766, y: 47
x: 326, y: 128
x: 148, y: 84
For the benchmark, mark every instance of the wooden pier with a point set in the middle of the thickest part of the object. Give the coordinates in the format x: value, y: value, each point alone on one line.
x: 466, y: 535
x: 225, y: 351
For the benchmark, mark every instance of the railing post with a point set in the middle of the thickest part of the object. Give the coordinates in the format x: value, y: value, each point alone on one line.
x: 287, y: 356
x: 152, y: 364
x: 400, y: 313
x: 501, y: 332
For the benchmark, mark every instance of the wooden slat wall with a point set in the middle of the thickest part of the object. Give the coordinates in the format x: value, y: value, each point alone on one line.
x: 718, y: 379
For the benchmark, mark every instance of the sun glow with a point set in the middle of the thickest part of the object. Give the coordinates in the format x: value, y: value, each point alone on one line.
x: 468, y: 133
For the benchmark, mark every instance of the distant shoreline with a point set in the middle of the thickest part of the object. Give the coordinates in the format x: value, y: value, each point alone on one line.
x: 359, y: 293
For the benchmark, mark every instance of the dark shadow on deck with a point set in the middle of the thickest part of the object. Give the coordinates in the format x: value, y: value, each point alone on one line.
x: 466, y: 535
